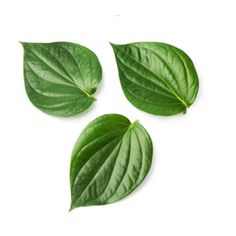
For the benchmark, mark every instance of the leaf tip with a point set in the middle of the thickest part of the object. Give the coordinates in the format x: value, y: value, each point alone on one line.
x: 22, y: 43
x: 72, y: 207
x: 113, y: 45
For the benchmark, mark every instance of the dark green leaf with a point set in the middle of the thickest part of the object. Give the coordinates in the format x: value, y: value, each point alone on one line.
x: 157, y: 78
x: 60, y: 77
x: 110, y: 159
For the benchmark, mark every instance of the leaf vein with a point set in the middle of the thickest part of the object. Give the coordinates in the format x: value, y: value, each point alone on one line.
x: 99, y: 169
x: 147, y: 88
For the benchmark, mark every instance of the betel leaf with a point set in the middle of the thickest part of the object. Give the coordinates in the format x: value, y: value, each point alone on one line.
x: 60, y: 77
x: 109, y: 160
x: 156, y: 77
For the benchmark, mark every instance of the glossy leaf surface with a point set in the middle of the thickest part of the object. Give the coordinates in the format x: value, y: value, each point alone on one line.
x: 157, y: 78
x: 110, y: 159
x: 60, y: 77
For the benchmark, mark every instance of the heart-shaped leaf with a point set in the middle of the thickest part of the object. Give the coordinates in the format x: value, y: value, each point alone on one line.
x: 60, y: 77
x: 110, y: 159
x: 157, y: 78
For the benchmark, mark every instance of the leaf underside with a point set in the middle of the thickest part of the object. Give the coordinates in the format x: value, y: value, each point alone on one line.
x: 157, y: 78
x: 109, y: 160
x: 60, y: 77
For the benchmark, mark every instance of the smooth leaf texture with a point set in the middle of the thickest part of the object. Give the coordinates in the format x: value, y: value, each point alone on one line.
x: 60, y: 77
x: 110, y: 159
x: 157, y: 78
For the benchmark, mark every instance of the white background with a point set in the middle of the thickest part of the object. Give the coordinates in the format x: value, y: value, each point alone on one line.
x: 191, y: 188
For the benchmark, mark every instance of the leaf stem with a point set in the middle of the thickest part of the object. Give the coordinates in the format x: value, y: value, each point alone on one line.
x: 132, y: 125
x: 90, y: 96
x: 181, y: 100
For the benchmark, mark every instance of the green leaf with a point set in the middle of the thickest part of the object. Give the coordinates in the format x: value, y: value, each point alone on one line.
x: 60, y: 77
x: 157, y: 78
x: 109, y: 160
